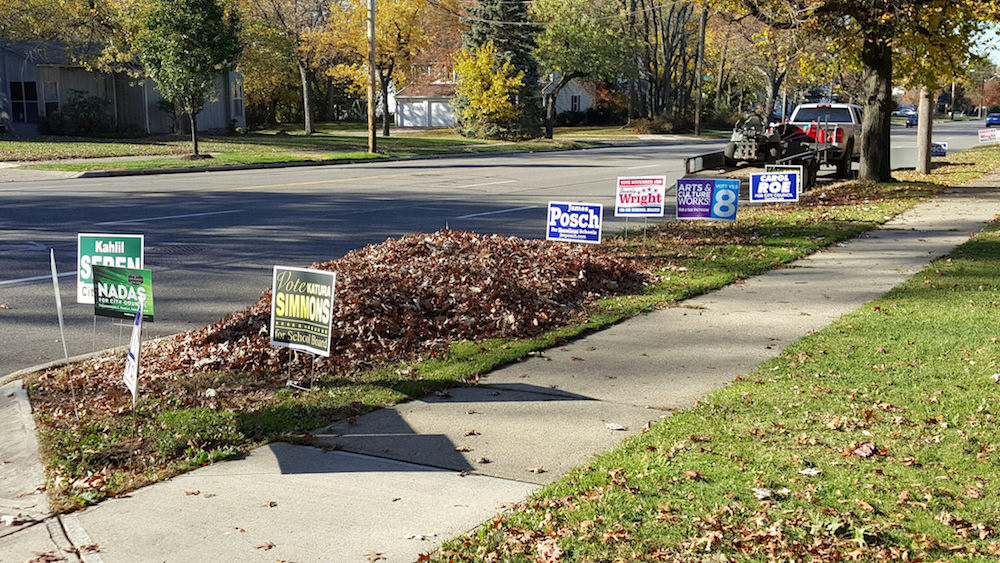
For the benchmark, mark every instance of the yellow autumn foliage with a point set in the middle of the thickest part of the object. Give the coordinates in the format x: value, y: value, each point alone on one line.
x: 488, y: 82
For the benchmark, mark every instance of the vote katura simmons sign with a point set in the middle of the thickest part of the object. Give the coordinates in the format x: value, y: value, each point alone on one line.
x: 574, y: 222
x: 119, y: 251
x: 302, y: 309
x: 640, y: 196
x: 118, y: 292
x: 707, y: 199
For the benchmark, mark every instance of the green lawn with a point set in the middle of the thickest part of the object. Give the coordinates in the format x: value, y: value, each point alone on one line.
x: 331, y: 142
x: 874, y: 439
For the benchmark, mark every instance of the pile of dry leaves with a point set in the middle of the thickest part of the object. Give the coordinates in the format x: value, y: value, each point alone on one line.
x: 398, y: 299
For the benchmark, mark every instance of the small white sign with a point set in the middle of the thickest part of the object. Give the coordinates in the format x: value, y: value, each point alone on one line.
x: 640, y: 196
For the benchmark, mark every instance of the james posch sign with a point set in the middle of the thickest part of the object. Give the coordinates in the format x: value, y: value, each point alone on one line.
x: 302, y: 309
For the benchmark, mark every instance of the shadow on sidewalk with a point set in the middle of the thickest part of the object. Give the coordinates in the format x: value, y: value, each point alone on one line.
x: 431, y: 441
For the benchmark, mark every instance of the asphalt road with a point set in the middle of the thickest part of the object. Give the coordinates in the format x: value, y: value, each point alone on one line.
x: 212, y: 237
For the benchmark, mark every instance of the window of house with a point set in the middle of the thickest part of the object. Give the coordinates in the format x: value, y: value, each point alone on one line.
x: 51, y: 94
x: 574, y: 103
x: 237, y: 96
x: 24, y: 102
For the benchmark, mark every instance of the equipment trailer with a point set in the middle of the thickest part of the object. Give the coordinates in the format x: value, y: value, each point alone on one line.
x: 753, y: 144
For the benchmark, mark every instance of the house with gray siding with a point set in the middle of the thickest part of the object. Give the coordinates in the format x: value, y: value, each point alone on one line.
x: 37, y: 78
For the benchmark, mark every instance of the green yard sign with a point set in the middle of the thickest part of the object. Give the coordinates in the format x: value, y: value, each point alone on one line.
x: 118, y: 292
x: 119, y: 251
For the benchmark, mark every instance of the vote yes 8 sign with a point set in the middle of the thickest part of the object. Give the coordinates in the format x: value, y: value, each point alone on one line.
x: 707, y: 199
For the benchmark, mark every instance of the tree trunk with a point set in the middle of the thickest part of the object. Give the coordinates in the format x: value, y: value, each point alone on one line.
x: 722, y: 67
x: 306, y: 99
x: 774, y: 80
x: 699, y: 70
x: 384, y: 87
x: 194, y: 131
x: 550, y: 105
x: 330, y: 112
x: 876, y: 61
x: 924, y: 129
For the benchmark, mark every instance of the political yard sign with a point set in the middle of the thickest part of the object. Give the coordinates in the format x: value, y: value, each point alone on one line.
x: 302, y: 309
x: 574, y: 222
x: 707, y: 199
x: 640, y: 196
x: 118, y: 292
x: 119, y: 251
x: 775, y: 186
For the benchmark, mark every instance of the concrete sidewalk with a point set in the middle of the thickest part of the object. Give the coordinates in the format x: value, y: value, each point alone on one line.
x: 403, y: 479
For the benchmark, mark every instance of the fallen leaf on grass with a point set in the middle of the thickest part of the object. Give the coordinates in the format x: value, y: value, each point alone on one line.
x: 865, y: 449
x: 548, y: 551
x: 692, y: 475
x: 864, y: 505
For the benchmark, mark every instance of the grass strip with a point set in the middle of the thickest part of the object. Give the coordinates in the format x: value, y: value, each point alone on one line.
x: 873, y: 439
x: 252, y: 148
x: 111, y: 455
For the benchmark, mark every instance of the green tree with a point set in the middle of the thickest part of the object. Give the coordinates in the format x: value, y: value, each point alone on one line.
x: 579, y: 39
x: 487, y: 84
x: 270, y: 75
x: 873, y: 29
x: 399, y: 36
x: 297, y: 19
x: 508, y: 25
x: 184, y: 45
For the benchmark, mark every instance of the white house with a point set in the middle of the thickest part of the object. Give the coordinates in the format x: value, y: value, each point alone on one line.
x: 37, y: 78
x: 426, y: 105
x: 429, y: 105
x: 576, y: 96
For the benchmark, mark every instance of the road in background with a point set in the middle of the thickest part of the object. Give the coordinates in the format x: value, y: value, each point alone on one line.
x: 960, y: 135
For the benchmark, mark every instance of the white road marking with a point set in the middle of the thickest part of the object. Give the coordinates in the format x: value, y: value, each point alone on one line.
x: 166, y: 217
x: 36, y: 278
x: 643, y: 166
x: 497, y: 212
x: 488, y: 183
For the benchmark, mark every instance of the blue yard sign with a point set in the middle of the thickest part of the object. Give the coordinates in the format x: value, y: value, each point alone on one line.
x: 574, y: 222
x: 775, y: 186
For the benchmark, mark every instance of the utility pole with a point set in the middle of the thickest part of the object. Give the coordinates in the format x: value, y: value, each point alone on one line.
x: 698, y: 103
x: 371, y: 77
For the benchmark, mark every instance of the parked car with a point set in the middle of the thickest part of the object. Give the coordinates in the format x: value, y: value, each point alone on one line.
x: 912, y: 120
x: 993, y: 119
x: 836, y: 124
